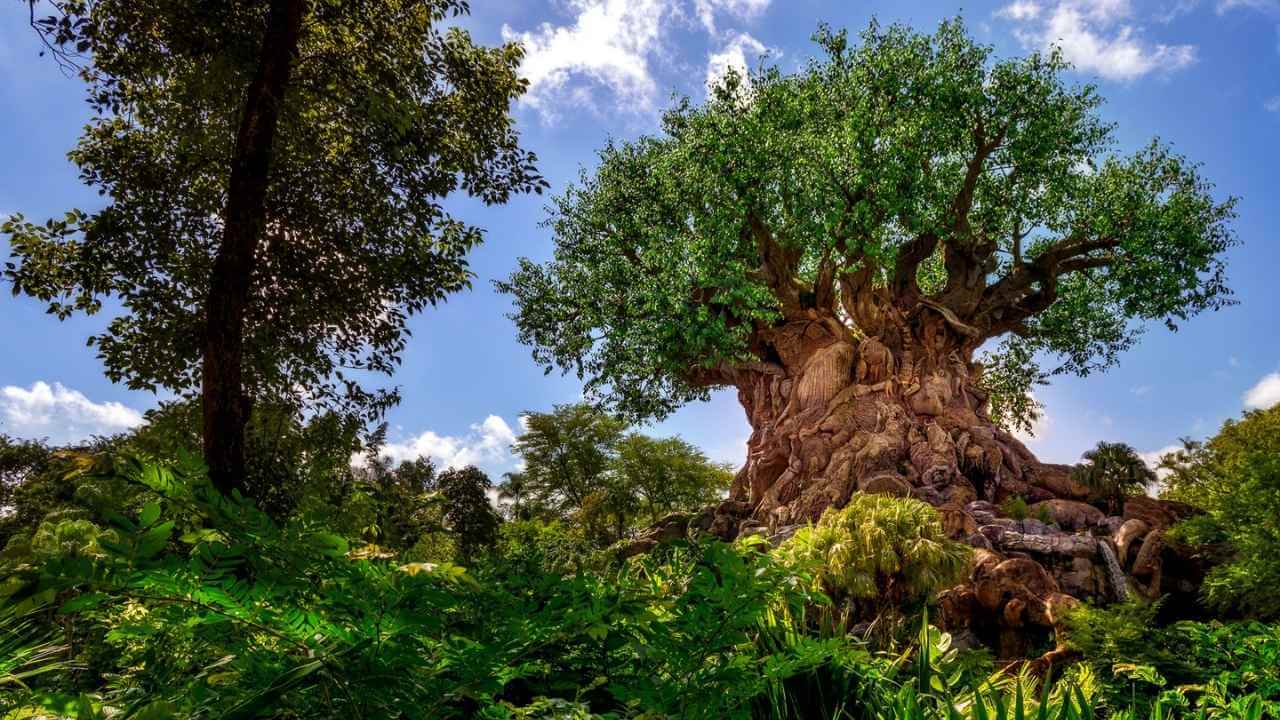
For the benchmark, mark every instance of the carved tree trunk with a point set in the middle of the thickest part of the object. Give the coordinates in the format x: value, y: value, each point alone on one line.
x: 899, y: 413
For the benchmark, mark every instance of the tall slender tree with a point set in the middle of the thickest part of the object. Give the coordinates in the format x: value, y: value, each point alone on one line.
x: 274, y: 171
x: 838, y: 243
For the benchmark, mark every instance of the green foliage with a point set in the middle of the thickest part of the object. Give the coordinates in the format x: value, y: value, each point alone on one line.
x: 1008, y: 376
x: 390, y: 108
x: 1212, y: 670
x: 583, y: 467
x: 892, y: 170
x: 667, y: 474
x: 197, y: 605
x: 468, y: 514
x: 1235, y: 477
x: 1015, y: 507
x: 1112, y: 472
x: 883, y: 551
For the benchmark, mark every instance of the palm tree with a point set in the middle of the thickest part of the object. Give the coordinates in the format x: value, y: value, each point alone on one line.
x: 1112, y: 472
x: 513, y: 490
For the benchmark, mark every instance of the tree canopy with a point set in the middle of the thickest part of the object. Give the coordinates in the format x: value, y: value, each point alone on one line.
x: 903, y: 176
x: 1235, y: 477
x: 381, y: 114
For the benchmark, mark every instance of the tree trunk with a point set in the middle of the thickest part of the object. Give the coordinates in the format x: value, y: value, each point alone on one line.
x: 899, y: 414
x: 225, y: 403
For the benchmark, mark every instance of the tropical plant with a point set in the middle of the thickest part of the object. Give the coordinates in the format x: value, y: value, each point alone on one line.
x: 881, y: 552
x: 1112, y: 472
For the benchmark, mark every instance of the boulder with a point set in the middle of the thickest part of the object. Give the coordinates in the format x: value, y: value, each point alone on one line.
x: 1070, y: 514
x: 1157, y: 513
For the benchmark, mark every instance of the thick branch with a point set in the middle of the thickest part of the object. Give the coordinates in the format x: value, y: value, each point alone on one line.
x: 777, y: 265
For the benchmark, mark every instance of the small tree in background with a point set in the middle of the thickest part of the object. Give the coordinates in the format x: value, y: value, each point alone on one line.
x: 1235, y: 478
x: 668, y: 474
x: 468, y: 514
x: 1112, y: 472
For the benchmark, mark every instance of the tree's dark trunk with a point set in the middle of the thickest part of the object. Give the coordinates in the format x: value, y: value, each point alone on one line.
x: 225, y: 402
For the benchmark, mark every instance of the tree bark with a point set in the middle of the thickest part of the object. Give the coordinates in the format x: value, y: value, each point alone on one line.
x: 898, y: 413
x: 225, y: 402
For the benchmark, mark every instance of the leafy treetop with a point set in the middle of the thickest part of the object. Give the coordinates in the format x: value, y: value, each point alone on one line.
x: 904, y: 175
x: 386, y: 114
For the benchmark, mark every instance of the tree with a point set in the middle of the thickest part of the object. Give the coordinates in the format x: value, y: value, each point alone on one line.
x: 567, y: 454
x: 514, y: 490
x: 836, y: 245
x: 667, y: 474
x: 1112, y: 472
x: 275, y: 171
x: 1235, y: 478
x: 468, y: 514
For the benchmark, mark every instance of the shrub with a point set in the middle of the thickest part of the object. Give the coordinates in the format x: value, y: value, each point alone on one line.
x: 879, y: 551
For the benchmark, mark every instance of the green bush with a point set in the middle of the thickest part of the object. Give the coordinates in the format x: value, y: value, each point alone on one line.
x: 196, y: 605
x: 878, y: 551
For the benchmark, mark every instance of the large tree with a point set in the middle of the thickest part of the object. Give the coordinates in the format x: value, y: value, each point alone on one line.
x: 838, y: 243
x: 274, y: 172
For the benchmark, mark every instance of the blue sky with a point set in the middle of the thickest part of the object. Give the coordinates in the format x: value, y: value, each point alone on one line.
x: 1202, y: 74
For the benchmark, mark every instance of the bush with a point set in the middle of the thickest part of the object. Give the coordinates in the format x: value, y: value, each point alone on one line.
x: 880, y: 552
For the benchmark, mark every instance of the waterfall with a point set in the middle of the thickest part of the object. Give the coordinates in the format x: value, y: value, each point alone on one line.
x: 1115, y: 573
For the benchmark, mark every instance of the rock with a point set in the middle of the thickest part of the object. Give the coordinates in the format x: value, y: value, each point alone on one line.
x: 1013, y: 578
x: 1157, y: 513
x: 783, y: 534
x: 1081, y: 546
x: 1123, y: 538
x: 978, y: 540
x: 958, y: 523
x: 1032, y: 526
x: 1111, y: 524
x: 1057, y: 480
x: 1069, y: 514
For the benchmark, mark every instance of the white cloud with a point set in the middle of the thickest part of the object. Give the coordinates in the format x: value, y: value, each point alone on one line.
x: 1263, y: 5
x: 738, y: 54
x: 61, y: 414
x: 487, y: 446
x: 1272, y: 104
x: 1265, y: 394
x: 608, y: 45
x: 1152, y: 459
x: 1020, y: 10
x: 1140, y: 390
x: 746, y: 9
x: 1096, y: 36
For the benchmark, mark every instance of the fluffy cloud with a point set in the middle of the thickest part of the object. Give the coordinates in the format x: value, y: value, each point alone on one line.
x: 1265, y: 394
x: 487, y: 446
x: 1097, y: 36
x: 61, y: 414
x: 706, y: 10
x: 609, y: 47
x: 1152, y: 459
x: 738, y: 54
x: 1272, y: 104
